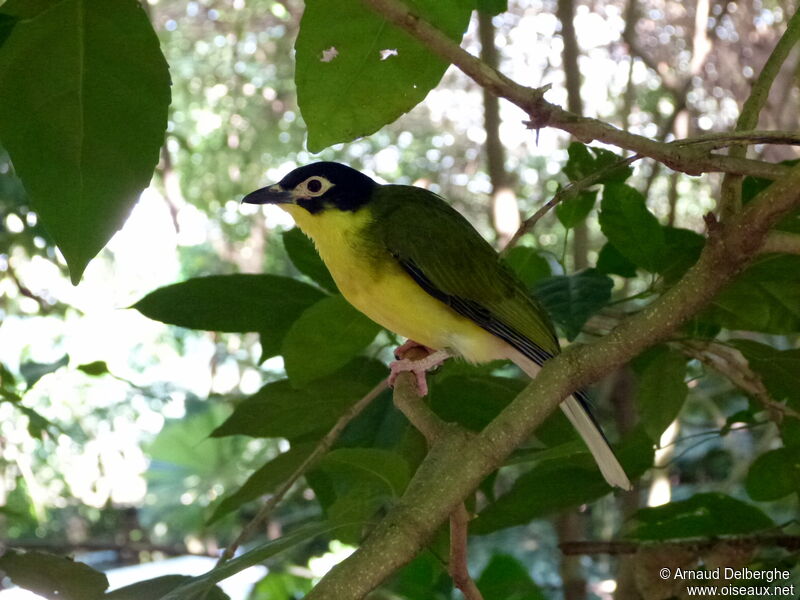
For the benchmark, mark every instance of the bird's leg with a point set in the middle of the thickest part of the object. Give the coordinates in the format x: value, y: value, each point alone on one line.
x: 418, y: 367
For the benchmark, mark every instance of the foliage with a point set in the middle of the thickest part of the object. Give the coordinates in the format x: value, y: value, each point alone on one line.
x: 83, y: 154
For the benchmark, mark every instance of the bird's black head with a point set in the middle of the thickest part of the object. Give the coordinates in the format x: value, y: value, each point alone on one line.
x: 317, y: 187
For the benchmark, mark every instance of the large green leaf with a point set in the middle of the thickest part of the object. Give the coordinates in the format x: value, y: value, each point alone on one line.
x: 682, y: 248
x: 574, y: 209
x: 560, y: 482
x: 153, y: 589
x: 356, y: 72
x: 584, y: 161
x: 662, y: 390
x: 774, y: 475
x: 280, y: 410
x: 610, y: 261
x: 630, y: 227
x: 473, y: 400
x: 702, y: 515
x: 54, y: 577
x: 84, y: 92
x: 304, y: 256
x: 325, y: 338
x: 264, y: 480
x: 268, y: 304
x: 766, y: 297
x: 505, y: 578
x: 572, y: 299
x: 353, y: 483
x: 528, y: 264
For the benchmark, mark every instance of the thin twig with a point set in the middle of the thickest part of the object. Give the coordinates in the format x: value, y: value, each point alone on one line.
x: 321, y: 448
x: 459, y: 572
x: 568, y: 191
x: 731, y: 190
x: 544, y: 114
x: 732, y: 364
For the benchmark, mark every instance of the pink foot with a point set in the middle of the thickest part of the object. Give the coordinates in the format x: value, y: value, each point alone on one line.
x: 401, y: 351
x: 418, y: 367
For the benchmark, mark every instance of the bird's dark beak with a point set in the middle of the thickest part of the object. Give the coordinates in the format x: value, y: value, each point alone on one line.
x: 273, y: 194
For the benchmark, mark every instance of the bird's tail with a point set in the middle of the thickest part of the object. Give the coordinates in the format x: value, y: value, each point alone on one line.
x: 577, y: 411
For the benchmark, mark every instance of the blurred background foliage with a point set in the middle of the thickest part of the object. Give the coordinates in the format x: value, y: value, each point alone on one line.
x: 121, y: 432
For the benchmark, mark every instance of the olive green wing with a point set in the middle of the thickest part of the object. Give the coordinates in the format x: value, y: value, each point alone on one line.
x: 444, y: 254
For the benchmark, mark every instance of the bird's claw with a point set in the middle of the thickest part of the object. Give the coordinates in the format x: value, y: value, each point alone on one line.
x: 417, y: 367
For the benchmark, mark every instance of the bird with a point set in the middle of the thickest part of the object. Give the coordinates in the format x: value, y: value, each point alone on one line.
x: 412, y: 263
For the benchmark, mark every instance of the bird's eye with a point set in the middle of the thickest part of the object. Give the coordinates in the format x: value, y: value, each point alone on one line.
x: 314, y: 185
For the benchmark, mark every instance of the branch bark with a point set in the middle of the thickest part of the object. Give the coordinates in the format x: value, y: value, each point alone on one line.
x: 545, y: 114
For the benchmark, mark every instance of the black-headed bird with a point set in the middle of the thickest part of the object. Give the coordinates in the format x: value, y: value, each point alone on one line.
x: 410, y: 262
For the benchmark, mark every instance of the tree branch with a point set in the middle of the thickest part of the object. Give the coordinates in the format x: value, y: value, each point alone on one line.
x: 459, y: 460
x: 731, y: 191
x: 782, y: 241
x: 544, y: 114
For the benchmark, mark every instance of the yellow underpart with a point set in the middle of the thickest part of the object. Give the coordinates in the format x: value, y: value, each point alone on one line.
x: 373, y: 282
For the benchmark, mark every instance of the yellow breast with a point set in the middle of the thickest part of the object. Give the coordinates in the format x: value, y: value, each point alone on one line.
x: 372, y: 281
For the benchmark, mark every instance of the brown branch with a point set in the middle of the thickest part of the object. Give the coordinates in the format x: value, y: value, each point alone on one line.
x: 730, y: 363
x: 543, y: 113
x: 459, y: 531
x: 618, y: 547
x: 782, y: 241
x: 319, y: 451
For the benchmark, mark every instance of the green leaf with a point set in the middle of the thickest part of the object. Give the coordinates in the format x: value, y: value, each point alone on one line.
x: 264, y: 480
x: 584, y: 161
x: 559, y: 483
x: 156, y: 588
x: 630, y: 227
x: 356, y: 72
x: 352, y: 484
x: 701, y: 516
x: 682, y: 249
x: 528, y: 264
x: 84, y: 92
x: 95, y: 368
x: 574, y: 209
x: 572, y: 299
x: 424, y: 577
x: 33, y: 371
x: 324, y: 338
x: 611, y: 262
x: 7, y: 23
x: 774, y: 475
x: 505, y: 578
x: 54, y: 577
x: 493, y: 7
x: 282, y: 586
x: 268, y: 304
x: 196, y: 586
x: 473, y: 400
x: 662, y: 390
x: 280, y: 410
x: 766, y: 298
x: 304, y: 257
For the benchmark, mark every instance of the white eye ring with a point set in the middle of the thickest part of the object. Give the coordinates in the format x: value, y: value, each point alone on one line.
x: 313, y: 186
